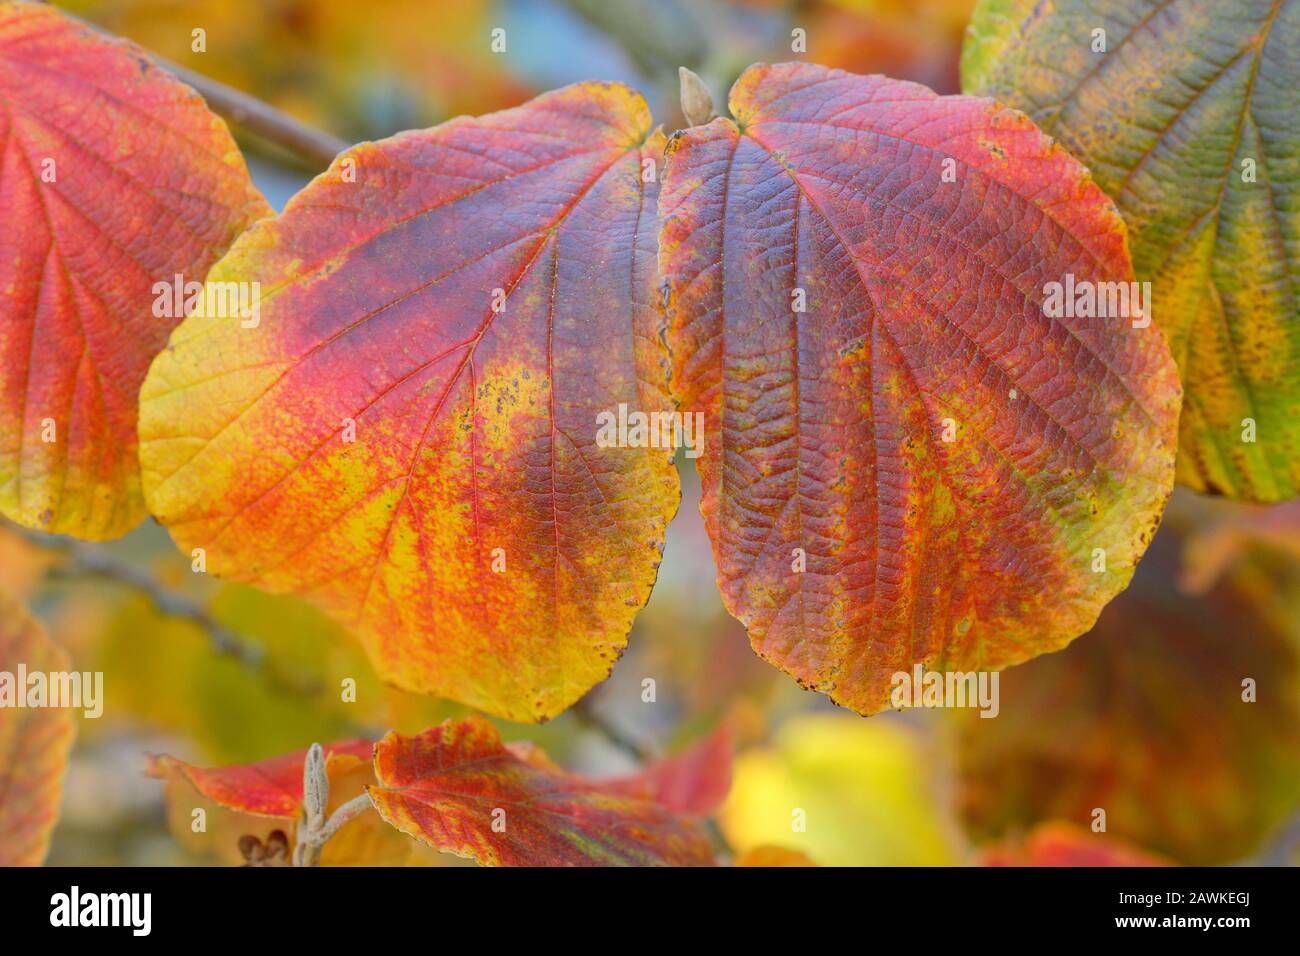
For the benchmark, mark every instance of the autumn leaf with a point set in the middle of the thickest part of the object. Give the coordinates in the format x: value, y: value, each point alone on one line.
x: 457, y: 788
x: 409, y: 436
x: 268, y: 788
x: 908, y: 459
x: 1065, y: 844
x: 114, y: 176
x: 1188, y: 120
x: 262, y: 799
x: 34, y: 741
x: 1150, y: 718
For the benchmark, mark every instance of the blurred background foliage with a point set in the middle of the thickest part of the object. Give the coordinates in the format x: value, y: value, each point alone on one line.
x: 1143, y: 717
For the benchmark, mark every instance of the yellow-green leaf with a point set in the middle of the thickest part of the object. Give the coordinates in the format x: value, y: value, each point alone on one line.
x: 1186, y: 113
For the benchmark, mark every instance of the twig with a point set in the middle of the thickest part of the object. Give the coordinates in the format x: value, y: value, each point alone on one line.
x: 345, y: 813
x: 82, y: 559
x: 587, y: 715
x: 312, y: 146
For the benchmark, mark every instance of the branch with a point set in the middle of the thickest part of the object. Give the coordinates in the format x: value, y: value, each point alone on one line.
x: 82, y: 559
x: 314, y: 147
x: 587, y: 715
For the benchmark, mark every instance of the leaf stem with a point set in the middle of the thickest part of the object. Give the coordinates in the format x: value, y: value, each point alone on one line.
x: 346, y: 813
x: 313, y: 146
x: 589, y: 717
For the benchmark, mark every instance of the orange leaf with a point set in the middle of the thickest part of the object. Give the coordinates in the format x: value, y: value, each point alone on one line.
x: 910, y: 459
x: 410, y: 435
x: 113, y: 176
x: 34, y: 741
x: 459, y: 789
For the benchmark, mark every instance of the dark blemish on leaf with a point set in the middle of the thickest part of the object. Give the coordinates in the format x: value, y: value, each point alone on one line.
x: 857, y: 345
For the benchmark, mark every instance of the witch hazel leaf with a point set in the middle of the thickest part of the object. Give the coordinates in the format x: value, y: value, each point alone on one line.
x: 410, y: 434
x: 114, y: 177
x: 268, y: 788
x: 913, y: 457
x: 34, y: 741
x: 1188, y: 119
x: 457, y: 788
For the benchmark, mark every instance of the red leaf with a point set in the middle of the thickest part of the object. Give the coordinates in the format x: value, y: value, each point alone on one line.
x: 268, y: 788
x: 1064, y: 844
x: 457, y: 788
x: 113, y: 176
x: 920, y: 466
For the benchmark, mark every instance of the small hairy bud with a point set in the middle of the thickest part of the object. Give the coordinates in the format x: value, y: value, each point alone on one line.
x: 697, y: 102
